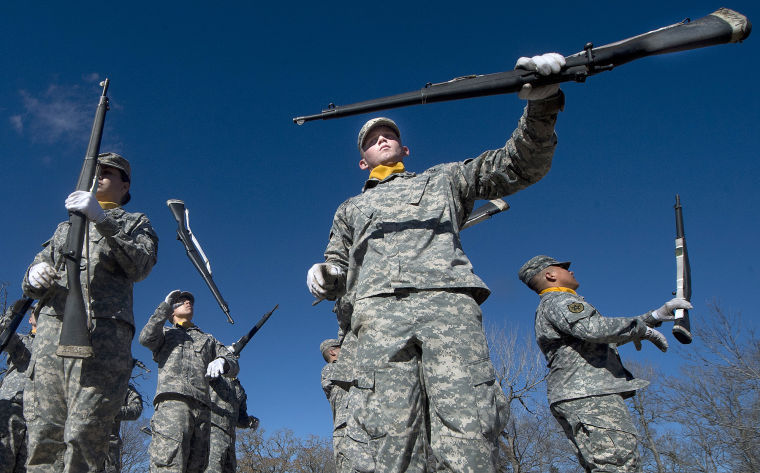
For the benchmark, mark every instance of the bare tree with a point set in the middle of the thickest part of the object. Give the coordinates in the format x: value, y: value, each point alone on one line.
x: 134, y: 449
x: 283, y: 452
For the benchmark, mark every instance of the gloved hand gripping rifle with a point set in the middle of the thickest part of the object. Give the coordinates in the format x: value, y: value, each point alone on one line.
x: 195, y: 252
x: 682, y: 325
x: 721, y: 26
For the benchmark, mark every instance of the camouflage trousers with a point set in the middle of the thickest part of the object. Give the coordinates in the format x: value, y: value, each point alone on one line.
x: 12, y: 437
x: 113, y: 459
x: 70, y: 403
x: 601, y: 432
x: 180, y: 440
x: 425, y: 351
x: 221, y: 453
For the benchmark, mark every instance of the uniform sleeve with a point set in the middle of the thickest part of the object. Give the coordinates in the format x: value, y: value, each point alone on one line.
x: 243, y: 421
x: 220, y: 351
x: 152, y: 335
x: 524, y: 160
x: 19, y: 350
x: 133, y: 405
x: 576, y: 317
x: 341, y: 239
x: 135, y: 247
x: 47, y: 255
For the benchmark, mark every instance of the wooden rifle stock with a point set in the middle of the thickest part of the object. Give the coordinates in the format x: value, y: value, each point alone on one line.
x: 75, y: 331
x: 682, y: 325
x: 721, y: 26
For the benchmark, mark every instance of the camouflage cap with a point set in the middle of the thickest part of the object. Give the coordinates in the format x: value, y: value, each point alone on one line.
x: 327, y: 344
x: 119, y: 162
x: 115, y: 161
x: 537, y: 264
x: 182, y: 296
x: 373, y: 123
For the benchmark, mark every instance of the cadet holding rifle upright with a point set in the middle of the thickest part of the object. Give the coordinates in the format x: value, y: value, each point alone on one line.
x: 587, y: 382
x: 396, y: 249
x: 187, y: 358
x: 70, y: 403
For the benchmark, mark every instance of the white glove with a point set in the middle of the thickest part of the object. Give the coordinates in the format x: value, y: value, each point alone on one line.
x: 215, y: 368
x: 253, y: 422
x: 655, y: 337
x: 322, y: 280
x: 665, y: 313
x: 545, y: 64
x: 86, y: 203
x: 42, y: 276
x: 171, y: 298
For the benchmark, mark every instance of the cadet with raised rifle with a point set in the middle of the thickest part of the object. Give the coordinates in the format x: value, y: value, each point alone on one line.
x: 187, y: 358
x: 72, y: 402
x: 13, y: 445
x: 587, y: 383
x: 396, y: 250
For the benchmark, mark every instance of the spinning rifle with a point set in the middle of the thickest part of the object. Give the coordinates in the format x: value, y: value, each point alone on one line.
x: 195, y: 252
x: 682, y: 326
x: 721, y: 26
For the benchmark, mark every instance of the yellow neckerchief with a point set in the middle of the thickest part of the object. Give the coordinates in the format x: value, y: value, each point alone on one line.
x: 382, y: 171
x: 108, y: 205
x: 34, y: 331
x: 185, y: 324
x: 557, y: 289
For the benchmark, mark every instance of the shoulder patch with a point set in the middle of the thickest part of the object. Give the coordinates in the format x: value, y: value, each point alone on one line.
x: 575, y: 307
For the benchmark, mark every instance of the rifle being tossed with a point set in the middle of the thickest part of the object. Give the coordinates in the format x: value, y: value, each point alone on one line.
x: 721, y: 26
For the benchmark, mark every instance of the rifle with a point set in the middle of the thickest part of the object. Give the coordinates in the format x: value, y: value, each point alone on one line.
x: 18, y: 310
x: 721, y: 26
x: 485, y: 211
x: 682, y: 325
x: 238, y: 346
x: 195, y: 252
x: 75, y: 333
x: 481, y: 214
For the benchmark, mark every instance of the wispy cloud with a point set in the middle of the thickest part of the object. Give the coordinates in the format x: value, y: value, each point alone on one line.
x: 61, y: 113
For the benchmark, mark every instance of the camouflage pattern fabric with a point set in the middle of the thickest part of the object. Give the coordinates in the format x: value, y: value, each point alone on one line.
x: 182, y: 355
x: 601, y: 432
x: 72, y: 403
x: 401, y: 235
x: 351, y: 448
x: 580, y: 346
x: 229, y: 410
x: 180, y: 441
x: 130, y: 410
x: 12, y: 424
x: 403, y: 231
x: 466, y: 405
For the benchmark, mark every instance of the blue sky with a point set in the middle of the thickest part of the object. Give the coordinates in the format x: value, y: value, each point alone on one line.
x: 202, y: 99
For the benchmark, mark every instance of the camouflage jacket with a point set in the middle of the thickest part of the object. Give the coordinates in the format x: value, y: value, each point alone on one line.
x: 19, y: 350
x: 122, y: 250
x: 403, y: 231
x: 580, y: 346
x: 130, y: 410
x: 182, y: 355
x: 229, y: 406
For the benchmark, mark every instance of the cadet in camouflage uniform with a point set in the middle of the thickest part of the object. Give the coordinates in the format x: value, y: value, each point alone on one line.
x: 229, y: 410
x: 131, y: 410
x: 12, y: 425
x: 69, y: 403
x: 396, y: 249
x: 184, y: 354
x: 587, y: 382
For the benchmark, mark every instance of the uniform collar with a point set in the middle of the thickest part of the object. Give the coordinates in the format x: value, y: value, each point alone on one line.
x: 557, y: 289
x: 372, y: 182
